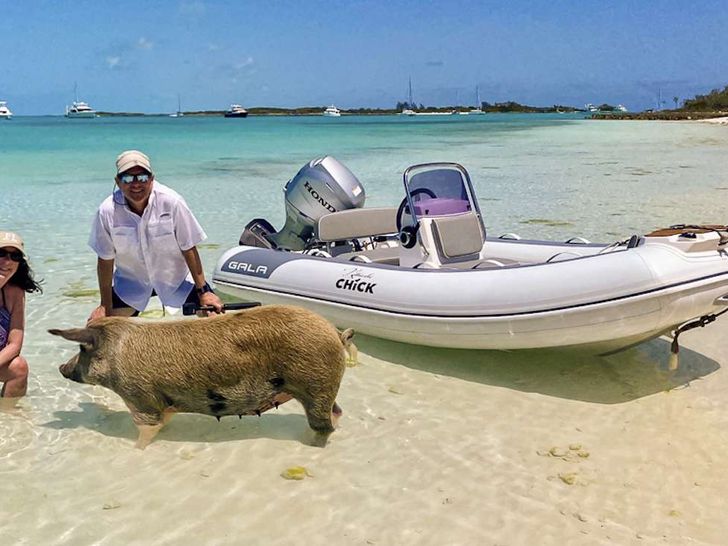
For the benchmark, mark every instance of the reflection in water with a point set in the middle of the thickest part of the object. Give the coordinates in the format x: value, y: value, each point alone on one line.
x: 571, y: 374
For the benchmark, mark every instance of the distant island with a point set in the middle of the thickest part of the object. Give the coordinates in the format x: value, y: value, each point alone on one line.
x: 498, y: 107
x: 712, y: 105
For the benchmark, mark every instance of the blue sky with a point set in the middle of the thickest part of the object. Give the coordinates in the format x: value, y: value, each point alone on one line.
x: 137, y: 56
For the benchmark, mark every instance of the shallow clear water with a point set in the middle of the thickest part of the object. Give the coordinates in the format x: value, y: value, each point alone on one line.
x: 549, y: 177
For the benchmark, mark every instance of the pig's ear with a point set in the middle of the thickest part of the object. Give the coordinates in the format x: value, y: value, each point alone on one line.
x: 85, y: 336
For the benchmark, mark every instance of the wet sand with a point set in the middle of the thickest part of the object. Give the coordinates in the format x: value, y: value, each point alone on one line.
x: 435, y: 447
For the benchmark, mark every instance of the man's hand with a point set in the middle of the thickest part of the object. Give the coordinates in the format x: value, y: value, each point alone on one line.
x: 211, y: 299
x: 99, y: 312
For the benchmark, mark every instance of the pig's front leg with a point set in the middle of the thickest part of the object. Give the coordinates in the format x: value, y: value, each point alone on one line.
x: 147, y: 434
x: 148, y: 423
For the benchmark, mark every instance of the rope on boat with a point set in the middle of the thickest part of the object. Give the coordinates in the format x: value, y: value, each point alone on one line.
x: 699, y: 323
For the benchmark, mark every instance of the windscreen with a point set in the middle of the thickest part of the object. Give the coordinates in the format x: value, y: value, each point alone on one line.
x: 438, y: 191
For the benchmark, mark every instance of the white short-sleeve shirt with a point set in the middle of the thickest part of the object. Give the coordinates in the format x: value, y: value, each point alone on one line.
x: 147, y: 249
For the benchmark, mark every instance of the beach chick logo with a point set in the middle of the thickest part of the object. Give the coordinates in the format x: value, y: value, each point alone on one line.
x: 356, y: 280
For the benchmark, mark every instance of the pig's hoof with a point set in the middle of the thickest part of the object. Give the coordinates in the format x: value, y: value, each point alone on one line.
x: 319, y: 439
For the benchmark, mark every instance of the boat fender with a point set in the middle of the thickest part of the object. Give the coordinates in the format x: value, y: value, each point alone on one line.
x: 408, y: 236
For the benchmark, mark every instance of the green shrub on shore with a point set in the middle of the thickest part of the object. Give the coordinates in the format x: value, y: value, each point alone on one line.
x: 716, y: 100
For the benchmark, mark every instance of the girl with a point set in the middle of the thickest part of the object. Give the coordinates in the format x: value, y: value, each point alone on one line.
x: 16, y: 278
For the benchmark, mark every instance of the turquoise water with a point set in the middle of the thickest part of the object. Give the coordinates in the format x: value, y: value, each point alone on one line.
x: 66, y: 453
x: 541, y: 176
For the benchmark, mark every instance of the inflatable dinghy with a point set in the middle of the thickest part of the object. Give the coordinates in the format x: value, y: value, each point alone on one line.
x: 425, y: 272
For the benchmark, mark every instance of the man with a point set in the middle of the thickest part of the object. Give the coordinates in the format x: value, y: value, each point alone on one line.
x: 145, y: 237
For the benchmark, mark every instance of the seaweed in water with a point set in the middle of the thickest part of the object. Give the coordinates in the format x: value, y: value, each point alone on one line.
x: 546, y: 222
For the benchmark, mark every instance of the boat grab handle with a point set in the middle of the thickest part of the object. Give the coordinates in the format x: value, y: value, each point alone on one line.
x: 577, y: 241
x: 723, y: 300
x: 512, y: 236
x: 317, y: 252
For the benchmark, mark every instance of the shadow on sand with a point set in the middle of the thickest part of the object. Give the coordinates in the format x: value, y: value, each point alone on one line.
x: 185, y: 427
x: 571, y: 374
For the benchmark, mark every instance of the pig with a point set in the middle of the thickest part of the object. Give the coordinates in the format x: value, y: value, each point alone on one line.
x: 233, y: 364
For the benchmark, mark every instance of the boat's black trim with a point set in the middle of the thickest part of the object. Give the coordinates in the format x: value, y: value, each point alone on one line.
x: 496, y: 315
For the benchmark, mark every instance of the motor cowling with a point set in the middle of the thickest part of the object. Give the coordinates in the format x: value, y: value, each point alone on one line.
x: 321, y: 187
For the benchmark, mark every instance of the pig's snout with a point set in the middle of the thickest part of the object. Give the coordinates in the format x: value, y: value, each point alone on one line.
x: 70, y: 371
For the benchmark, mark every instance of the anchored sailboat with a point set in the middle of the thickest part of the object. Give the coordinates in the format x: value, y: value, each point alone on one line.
x: 178, y: 113
x: 410, y: 103
x: 477, y: 110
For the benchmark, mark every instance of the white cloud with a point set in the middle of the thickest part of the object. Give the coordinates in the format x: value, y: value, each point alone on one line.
x: 113, y: 62
x: 244, y: 63
x: 143, y: 43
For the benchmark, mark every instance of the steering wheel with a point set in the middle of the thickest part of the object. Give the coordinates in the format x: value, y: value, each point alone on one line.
x: 403, y: 204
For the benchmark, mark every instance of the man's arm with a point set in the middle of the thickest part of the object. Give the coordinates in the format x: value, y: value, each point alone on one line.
x: 192, y: 257
x: 105, y: 274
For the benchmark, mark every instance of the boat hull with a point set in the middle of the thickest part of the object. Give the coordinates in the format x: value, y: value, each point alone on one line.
x: 81, y: 115
x: 605, y: 302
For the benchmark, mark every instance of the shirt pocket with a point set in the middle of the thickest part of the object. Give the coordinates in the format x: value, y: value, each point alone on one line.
x: 126, y: 239
x: 163, y: 228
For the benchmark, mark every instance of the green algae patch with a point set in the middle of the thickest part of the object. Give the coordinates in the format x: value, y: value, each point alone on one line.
x: 82, y: 293
x: 547, y: 222
x: 212, y: 246
x: 296, y: 473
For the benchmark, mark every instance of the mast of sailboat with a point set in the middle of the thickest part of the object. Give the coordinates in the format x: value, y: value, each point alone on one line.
x: 477, y: 97
x: 411, y: 101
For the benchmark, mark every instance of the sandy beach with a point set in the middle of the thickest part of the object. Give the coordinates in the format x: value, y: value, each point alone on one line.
x: 718, y: 121
x: 435, y: 447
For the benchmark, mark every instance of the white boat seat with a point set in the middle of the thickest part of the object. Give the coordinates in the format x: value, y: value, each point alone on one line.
x: 354, y: 223
x: 458, y: 238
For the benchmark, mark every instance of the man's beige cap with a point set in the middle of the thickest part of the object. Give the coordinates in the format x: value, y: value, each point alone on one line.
x: 132, y: 158
x: 8, y: 238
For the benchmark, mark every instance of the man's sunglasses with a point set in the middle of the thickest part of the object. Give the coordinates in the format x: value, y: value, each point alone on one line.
x: 14, y: 255
x: 129, y: 178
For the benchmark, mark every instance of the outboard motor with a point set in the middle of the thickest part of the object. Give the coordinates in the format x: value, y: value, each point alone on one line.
x: 321, y: 187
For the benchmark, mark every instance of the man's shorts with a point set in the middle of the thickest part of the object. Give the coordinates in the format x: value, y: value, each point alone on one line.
x: 118, y: 303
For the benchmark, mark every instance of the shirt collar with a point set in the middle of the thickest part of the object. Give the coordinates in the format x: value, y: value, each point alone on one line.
x: 119, y: 199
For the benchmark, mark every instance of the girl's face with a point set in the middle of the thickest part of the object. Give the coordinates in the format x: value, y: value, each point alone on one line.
x: 10, y: 258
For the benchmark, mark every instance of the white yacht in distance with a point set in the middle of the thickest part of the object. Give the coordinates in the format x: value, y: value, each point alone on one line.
x: 332, y: 112
x: 236, y: 111
x: 621, y: 108
x: 5, y: 111
x: 79, y: 109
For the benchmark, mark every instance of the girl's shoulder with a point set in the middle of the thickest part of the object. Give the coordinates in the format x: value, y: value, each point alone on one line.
x: 13, y: 295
